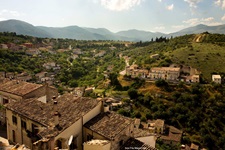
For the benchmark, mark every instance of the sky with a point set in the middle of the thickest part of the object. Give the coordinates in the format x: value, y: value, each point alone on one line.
x: 116, y: 15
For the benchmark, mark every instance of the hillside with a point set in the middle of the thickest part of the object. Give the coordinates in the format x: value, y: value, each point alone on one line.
x: 206, y: 52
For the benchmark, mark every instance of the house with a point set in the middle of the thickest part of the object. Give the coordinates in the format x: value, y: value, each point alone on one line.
x: 165, y: 73
x: 33, y: 52
x: 195, y: 79
x: 79, y: 91
x: 194, y: 146
x: 15, y: 90
x: 174, y: 136
x: 100, y: 54
x: 135, y: 71
x: 216, y: 79
x: 109, y: 126
x: 155, y: 56
x: 155, y: 126
x: 3, y: 46
x: 24, y: 76
x: 28, y: 45
x: 57, y: 124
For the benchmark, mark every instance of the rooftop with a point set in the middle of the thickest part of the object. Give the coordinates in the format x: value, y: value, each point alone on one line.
x: 18, y: 87
x: 108, y: 124
x: 70, y: 108
x: 132, y: 144
x: 165, y: 69
x: 216, y: 76
x: 174, y: 135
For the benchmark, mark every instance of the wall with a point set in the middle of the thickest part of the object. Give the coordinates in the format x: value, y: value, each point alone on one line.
x: 97, y: 147
x: 77, y: 128
x: 21, y: 134
x: 44, y: 90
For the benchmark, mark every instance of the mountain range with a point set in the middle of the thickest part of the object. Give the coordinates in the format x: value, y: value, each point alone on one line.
x: 83, y: 33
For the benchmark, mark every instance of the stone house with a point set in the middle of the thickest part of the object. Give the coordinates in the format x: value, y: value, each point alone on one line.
x: 57, y: 124
x: 165, y: 73
x: 134, y: 71
x: 15, y: 90
x: 109, y: 126
x: 216, y: 79
x: 174, y: 136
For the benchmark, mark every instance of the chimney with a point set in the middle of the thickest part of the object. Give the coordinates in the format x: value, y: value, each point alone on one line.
x: 56, y: 118
x: 55, y: 105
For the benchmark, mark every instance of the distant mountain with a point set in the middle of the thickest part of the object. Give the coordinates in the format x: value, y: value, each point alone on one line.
x: 83, y: 33
x: 21, y: 27
x: 138, y: 35
x: 199, y: 29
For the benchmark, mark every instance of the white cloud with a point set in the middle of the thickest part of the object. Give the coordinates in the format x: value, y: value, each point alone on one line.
x: 192, y: 21
x: 193, y: 3
x: 220, y: 3
x: 160, y: 28
x: 223, y: 18
x: 170, y: 7
x: 6, y: 12
x: 160, y: 0
x: 119, y: 5
x: 207, y: 21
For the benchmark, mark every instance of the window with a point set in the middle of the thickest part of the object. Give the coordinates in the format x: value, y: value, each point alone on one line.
x: 5, y: 101
x: 121, y: 143
x: 89, y: 137
x: 14, y: 136
x: 23, y: 125
x: 34, y: 129
x: 14, y: 120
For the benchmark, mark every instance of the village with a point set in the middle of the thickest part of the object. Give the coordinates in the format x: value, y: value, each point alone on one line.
x: 34, y: 115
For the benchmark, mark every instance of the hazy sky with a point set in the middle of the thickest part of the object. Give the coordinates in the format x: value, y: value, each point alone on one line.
x: 116, y: 15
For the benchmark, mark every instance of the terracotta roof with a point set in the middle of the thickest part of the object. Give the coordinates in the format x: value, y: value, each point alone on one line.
x: 18, y: 87
x: 108, y: 124
x: 165, y: 69
x: 70, y: 108
x: 134, y: 144
x: 174, y: 135
x: 141, y: 133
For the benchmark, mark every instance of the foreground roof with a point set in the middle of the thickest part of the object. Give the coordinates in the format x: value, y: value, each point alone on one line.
x: 136, y: 144
x: 70, y: 108
x: 108, y: 124
x: 17, y: 87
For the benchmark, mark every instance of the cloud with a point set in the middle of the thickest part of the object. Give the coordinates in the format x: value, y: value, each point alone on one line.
x: 160, y: 28
x: 207, y: 21
x: 193, y: 3
x: 6, y: 12
x: 160, y: 0
x: 220, y: 3
x: 170, y: 7
x: 119, y: 5
x: 223, y: 18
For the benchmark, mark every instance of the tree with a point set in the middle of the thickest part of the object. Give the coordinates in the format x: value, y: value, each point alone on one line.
x: 133, y: 94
